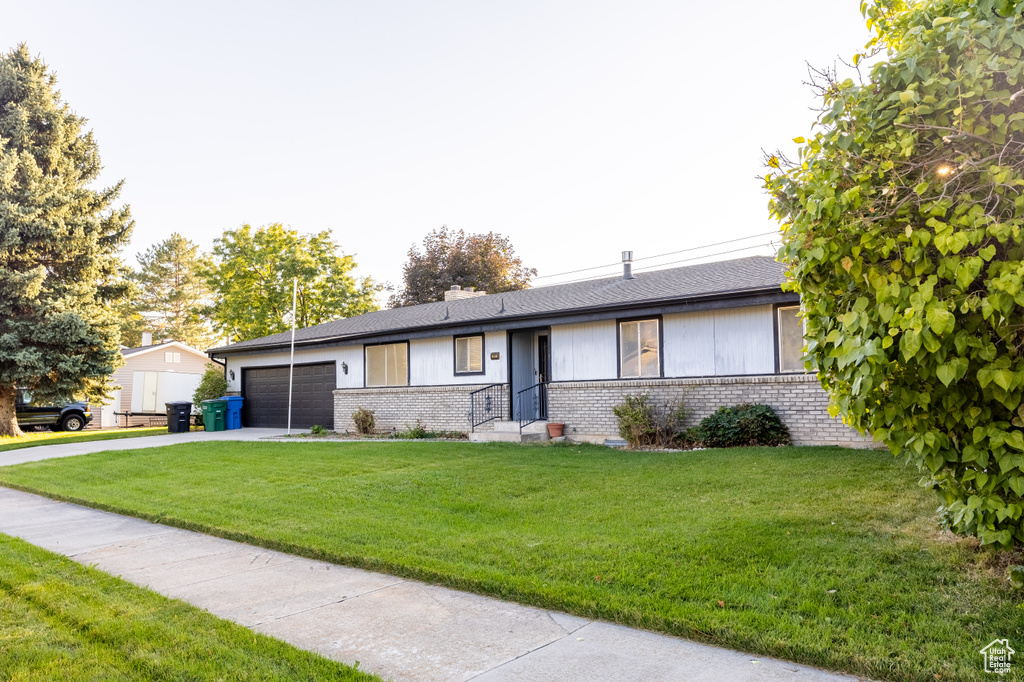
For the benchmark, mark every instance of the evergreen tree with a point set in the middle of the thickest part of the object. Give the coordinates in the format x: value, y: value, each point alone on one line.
x: 59, y: 239
x: 485, y: 261
x: 172, y: 292
x: 252, y: 281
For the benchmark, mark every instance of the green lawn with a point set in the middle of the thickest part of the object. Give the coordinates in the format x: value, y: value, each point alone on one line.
x: 34, y: 438
x: 63, y: 621
x: 824, y: 556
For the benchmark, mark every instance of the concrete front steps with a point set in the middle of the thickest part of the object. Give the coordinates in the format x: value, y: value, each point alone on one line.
x: 509, y: 433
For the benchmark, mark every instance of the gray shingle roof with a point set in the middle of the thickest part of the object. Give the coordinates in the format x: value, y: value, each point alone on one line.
x: 706, y: 280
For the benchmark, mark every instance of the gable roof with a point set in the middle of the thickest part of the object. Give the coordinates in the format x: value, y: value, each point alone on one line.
x: 166, y: 345
x: 722, y: 279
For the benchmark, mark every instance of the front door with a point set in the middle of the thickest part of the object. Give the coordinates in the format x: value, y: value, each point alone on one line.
x: 543, y: 362
x: 529, y: 355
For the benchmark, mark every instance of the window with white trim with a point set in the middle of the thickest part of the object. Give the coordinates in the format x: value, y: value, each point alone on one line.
x: 469, y: 354
x: 387, y: 365
x: 639, y: 349
x: 791, y: 340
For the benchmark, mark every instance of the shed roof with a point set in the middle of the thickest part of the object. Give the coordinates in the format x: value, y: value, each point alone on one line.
x: 706, y: 280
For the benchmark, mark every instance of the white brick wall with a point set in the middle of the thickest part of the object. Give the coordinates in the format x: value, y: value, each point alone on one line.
x: 586, y: 406
x: 440, y: 408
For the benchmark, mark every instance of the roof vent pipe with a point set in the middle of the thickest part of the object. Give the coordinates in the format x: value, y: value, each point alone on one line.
x: 627, y: 265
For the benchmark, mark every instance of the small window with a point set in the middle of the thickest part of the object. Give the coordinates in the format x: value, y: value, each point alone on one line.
x: 387, y: 365
x: 639, y: 348
x: 177, y: 357
x: 168, y: 357
x: 469, y: 354
x: 791, y: 340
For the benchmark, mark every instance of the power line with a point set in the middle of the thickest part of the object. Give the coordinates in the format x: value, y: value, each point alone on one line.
x: 685, y: 260
x: 707, y: 255
x: 707, y: 246
x: 660, y: 255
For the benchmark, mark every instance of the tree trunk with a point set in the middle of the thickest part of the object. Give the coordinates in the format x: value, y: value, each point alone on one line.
x: 8, y: 415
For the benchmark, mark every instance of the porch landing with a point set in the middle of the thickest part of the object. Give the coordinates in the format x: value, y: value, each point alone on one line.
x: 508, y: 432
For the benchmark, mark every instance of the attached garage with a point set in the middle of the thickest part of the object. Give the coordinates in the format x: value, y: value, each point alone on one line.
x: 265, y: 390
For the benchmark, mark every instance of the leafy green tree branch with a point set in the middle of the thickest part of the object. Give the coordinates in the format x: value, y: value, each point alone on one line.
x: 901, y: 222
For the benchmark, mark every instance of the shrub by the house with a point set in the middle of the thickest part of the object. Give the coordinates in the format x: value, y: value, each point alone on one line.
x: 744, y: 424
x: 646, y: 424
x: 364, y: 421
x: 420, y: 432
x: 212, y: 385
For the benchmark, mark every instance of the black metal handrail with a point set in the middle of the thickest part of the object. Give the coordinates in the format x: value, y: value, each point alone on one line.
x: 535, y: 399
x: 486, y: 404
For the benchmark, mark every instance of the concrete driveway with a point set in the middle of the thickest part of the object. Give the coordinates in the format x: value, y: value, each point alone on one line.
x: 40, y: 452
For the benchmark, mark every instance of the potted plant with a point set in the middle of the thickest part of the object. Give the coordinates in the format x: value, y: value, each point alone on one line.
x: 556, y: 430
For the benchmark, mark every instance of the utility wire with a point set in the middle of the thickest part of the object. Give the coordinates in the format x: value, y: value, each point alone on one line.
x: 660, y: 265
x: 706, y: 246
x: 707, y: 255
x: 660, y: 255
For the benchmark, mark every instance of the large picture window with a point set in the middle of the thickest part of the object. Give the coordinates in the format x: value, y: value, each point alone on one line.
x: 387, y: 365
x: 791, y: 340
x: 469, y: 354
x: 639, y: 349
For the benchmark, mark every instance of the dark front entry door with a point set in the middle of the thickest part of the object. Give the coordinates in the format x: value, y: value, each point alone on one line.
x: 265, y: 390
x: 543, y: 363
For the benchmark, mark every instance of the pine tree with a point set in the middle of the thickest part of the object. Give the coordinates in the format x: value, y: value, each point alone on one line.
x: 173, y: 293
x: 59, y: 271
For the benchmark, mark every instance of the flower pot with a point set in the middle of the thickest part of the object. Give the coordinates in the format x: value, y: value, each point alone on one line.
x: 556, y: 430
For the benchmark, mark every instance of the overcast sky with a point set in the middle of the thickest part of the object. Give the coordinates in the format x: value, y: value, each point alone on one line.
x: 577, y: 129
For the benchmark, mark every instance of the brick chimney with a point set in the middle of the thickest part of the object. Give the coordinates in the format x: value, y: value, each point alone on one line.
x: 457, y: 293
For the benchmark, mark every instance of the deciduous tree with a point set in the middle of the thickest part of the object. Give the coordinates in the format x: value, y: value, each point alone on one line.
x: 902, y: 225
x: 485, y: 261
x: 59, y: 239
x: 252, y: 281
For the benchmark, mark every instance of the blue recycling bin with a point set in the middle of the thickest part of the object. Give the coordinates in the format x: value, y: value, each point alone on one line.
x: 233, y: 414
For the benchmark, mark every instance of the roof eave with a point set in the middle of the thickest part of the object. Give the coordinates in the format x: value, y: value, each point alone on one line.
x: 738, y: 293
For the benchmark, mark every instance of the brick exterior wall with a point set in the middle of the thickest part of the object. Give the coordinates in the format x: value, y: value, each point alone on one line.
x: 440, y: 408
x: 586, y: 406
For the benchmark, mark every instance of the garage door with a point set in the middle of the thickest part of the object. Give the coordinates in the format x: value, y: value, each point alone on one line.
x: 265, y: 390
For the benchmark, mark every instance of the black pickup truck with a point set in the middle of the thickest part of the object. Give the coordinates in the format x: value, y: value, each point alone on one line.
x: 61, y: 417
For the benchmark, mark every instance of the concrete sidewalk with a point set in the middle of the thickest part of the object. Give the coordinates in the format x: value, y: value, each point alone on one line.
x: 397, y: 628
x: 37, y: 453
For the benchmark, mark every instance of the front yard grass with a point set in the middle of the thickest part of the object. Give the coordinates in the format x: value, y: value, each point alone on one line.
x: 63, y: 621
x: 34, y: 438
x: 825, y: 556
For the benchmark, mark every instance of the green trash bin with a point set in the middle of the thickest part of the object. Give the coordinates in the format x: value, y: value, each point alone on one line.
x: 214, y: 414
